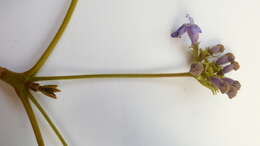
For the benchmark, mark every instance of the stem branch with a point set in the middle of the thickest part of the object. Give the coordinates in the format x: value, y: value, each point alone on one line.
x: 23, y: 94
x: 161, y: 75
x: 47, y: 118
x: 54, y: 42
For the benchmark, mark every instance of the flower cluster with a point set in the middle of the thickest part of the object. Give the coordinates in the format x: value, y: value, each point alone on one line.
x: 209, y: 66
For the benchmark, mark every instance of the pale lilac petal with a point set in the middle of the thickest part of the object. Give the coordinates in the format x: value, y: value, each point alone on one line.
x: 195, y: 28
x: 180, y: 31
x: 193, y: 32
x: 190, y: 19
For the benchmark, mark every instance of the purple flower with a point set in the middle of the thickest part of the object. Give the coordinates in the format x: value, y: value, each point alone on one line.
x: 217, y: 49
x: 229, y: 57
x: 192, y: 29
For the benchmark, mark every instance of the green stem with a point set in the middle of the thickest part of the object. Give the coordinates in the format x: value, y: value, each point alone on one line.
x: 196, y: 52
x: 28, y: 108
x: 161, y: 75
x: 54, y: 42
x: 45, y: 115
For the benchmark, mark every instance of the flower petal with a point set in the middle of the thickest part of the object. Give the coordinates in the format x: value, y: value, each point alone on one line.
x: 193, y: 32
x: 180, y: 31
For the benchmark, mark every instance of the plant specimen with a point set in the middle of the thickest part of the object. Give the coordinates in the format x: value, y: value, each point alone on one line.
x: 208, y: 67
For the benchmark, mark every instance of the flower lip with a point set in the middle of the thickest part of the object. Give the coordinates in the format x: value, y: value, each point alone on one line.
x: 180, y: 31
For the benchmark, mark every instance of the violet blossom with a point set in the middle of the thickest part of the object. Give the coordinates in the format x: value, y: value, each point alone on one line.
x: 191, y: 28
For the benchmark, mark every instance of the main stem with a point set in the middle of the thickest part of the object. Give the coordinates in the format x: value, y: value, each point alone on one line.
x: 161, y: 75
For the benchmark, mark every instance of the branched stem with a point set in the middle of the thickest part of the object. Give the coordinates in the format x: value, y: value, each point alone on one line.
x: 34, y: 70
x: 54, y: 42
x: 161, y: 75
x: 45, y: 115
x: 23, y: 94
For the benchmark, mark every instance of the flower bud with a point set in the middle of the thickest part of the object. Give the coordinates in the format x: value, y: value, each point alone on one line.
x: 216, y: 49
x: 233, y: 83
x: 196, y: 69
x: 229, y: 57
x: 48, y: 90
x: 220, y: 84
x: 233, y: 66
x: 229, y: 80
x: 232, y: 92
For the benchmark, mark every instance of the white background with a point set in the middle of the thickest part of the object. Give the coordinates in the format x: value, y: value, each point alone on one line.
x: 121, y: 36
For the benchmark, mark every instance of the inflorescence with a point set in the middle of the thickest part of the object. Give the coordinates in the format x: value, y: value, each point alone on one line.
x: 209, y: 65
